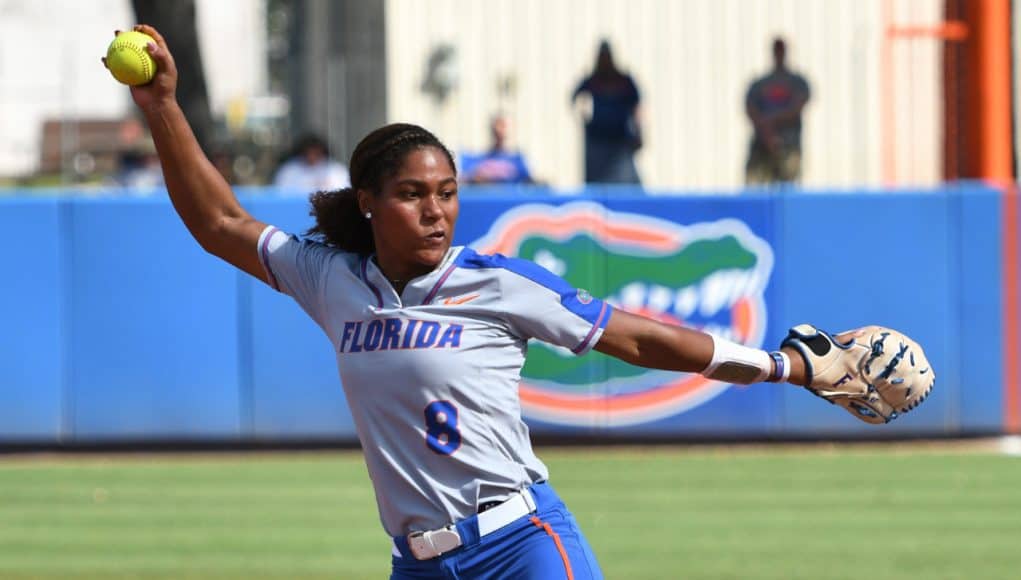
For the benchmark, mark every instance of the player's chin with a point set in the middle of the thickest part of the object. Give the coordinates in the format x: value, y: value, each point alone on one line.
x: 432, y: 254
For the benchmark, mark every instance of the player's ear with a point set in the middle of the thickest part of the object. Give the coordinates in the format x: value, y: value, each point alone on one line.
x: 364, y: 201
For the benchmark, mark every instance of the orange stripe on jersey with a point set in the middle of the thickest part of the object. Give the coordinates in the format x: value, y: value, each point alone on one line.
x: 560, y: 546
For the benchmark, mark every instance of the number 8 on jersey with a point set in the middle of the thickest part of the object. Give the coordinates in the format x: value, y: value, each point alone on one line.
x: 441, y: 433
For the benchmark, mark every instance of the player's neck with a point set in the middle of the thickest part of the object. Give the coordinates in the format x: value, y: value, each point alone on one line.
x: 398, y: 284
x: 397, y: 276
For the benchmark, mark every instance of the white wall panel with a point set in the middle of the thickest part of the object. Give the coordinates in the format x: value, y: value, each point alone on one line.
x: 692, y: 60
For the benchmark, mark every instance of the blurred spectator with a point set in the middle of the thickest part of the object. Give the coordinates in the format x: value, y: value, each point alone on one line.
x: 139, y: 167
x: 498, y: 164
x: 774, y: 104
x: 310, y: 168
x: 612, y: 131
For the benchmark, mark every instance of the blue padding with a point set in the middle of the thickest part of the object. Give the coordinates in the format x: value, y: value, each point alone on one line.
x: 853, y: 260
x: 980, y: 320
x: 154, y: 333
x: 32, y: 346
x: 117, y: 326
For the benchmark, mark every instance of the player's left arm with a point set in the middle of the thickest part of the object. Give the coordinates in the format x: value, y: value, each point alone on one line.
x: 649, y: 343
x: 874, y: 372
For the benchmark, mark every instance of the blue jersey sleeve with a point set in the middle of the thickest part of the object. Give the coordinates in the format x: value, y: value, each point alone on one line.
x: 539, y: 304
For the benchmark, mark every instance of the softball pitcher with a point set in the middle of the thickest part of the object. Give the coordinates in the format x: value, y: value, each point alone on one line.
x: 430, y: 341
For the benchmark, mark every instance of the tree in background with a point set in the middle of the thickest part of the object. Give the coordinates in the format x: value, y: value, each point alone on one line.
x: 176, y: 22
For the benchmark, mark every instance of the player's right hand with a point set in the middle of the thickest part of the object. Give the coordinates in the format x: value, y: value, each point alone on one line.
x: 163, y: 87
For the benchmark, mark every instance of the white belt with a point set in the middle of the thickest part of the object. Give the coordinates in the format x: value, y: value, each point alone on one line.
x: 432, y: 543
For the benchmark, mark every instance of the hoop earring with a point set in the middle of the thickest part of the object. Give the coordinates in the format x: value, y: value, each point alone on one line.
x: 368, y: 215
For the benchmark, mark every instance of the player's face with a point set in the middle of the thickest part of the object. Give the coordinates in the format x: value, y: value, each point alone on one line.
x: 413, y: 217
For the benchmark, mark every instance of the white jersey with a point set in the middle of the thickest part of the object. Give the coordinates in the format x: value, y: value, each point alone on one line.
x: 431, y: 376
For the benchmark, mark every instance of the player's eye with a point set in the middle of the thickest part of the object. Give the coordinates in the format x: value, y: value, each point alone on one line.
x: 448, y: 194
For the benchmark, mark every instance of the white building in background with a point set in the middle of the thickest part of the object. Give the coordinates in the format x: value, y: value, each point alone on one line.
x: 50, y: 67
x: 692, y: 60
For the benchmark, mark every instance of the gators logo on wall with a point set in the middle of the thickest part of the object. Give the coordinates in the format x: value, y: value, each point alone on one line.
x: 707, y: 275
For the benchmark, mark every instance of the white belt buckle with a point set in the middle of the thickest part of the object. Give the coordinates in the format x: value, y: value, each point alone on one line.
x: 428, y: 545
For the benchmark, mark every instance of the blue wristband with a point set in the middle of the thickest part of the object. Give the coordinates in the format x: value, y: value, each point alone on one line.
x: 782, y: 367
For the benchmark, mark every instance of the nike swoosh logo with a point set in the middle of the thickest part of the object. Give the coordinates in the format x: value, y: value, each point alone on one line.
x: 459, y: 300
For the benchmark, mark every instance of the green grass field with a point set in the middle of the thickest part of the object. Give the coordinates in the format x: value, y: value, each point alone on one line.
x: 876, y: 512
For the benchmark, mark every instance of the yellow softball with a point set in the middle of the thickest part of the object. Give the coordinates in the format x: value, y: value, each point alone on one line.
x: 128, y: 60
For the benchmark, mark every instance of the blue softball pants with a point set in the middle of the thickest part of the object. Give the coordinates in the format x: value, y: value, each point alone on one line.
x: 544, y: 545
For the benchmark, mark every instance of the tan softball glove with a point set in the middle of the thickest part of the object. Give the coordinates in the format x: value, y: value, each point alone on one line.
x: 875, y: 373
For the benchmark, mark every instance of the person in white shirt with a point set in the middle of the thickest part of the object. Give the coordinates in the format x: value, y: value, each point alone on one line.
x: 311, y: 169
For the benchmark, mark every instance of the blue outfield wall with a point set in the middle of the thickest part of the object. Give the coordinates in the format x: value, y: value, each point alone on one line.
x: 33, y: 342
x: 119, y: 328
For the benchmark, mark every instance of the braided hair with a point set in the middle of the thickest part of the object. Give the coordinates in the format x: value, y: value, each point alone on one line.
x: 380, y: 154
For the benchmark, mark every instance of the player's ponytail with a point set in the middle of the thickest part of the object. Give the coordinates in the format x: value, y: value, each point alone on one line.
x: 339, y: 220
x: 339, y: 223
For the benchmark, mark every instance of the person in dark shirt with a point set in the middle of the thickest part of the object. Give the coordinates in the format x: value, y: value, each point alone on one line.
x: 774, y: 104
x: 612, y: 131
